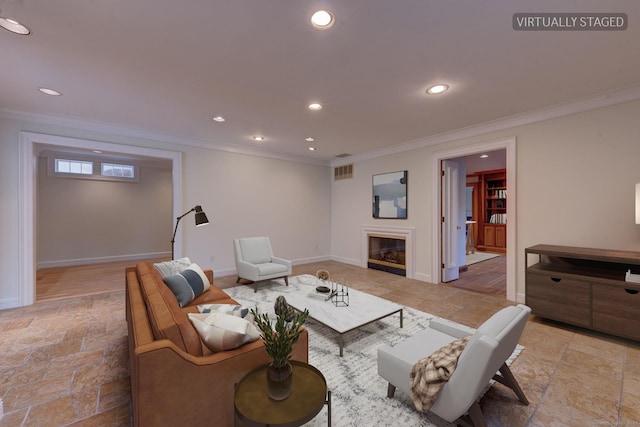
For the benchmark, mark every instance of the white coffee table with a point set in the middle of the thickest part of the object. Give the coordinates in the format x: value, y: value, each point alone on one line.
x: 362, y: 309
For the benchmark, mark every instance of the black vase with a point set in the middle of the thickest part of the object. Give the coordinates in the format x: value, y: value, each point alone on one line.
x: 279, y: 379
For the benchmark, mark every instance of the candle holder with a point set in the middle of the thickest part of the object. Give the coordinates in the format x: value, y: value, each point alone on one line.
x: 340, y: 294
x: 323, y: 282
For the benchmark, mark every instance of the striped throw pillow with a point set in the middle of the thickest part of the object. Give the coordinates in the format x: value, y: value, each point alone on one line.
x: 188, y: 284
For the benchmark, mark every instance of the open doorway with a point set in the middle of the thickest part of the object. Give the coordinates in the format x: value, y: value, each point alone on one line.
x: 485, y: 214
x: 30, y: 144
x: 90, y: 211
x: 508, y: 147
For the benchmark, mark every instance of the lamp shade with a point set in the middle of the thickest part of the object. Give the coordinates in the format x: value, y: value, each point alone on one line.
x: 201, y: 217
x: 637, y: 203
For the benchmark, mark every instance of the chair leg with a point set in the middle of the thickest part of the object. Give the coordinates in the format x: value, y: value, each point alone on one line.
x: 476, y: 416
x: 286, y: 280
x: 509, y: 380
x: 391, y: 390
x: 238, y: 279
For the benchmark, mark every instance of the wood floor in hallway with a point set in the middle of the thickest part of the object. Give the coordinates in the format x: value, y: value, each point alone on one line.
x: 486, y: 277
x: 81, y: 280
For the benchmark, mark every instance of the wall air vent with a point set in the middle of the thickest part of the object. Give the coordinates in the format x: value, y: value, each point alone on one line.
x: 343, y: 172
x: 343, y: 155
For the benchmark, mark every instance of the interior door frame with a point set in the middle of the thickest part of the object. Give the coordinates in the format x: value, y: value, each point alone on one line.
x: 509, y: 144
x: 29, y: 143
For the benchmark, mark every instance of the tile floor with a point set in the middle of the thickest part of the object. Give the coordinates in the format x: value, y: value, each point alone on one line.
x: 64, y: 362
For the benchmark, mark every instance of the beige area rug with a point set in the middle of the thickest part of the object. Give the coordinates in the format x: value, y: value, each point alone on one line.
x: 358, y: 393
x: 479, y: 257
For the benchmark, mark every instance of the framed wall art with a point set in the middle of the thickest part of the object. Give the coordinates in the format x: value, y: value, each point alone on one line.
x: 390, y: 195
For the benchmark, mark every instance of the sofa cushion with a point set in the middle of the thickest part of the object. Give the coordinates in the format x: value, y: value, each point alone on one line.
x: 167, y: 320
x: 220, y: 331
x: 213, y: 295
x: 175, y: 266
x: 187, y: 284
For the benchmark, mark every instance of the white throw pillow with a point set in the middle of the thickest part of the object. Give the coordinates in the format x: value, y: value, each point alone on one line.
x: 175, y: 266
x: 220, y: 331
x: 227, y: 322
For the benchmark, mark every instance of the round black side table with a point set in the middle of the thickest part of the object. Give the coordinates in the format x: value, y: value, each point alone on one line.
x: 309, y: 394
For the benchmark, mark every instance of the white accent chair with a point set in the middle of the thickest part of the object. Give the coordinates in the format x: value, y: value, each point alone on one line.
x: 485, y: 354
x: 255, y: 261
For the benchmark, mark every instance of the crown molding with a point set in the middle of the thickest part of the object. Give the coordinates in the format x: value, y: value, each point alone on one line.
x: 133, y: 132
x: 577, y: 106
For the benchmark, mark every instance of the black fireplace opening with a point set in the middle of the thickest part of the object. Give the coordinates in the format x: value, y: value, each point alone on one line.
x: 387, y: 254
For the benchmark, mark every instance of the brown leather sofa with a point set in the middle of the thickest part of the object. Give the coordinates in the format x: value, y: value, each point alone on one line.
x: 175, y: 379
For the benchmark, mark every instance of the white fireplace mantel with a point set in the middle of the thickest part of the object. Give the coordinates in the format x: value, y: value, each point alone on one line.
x: 406, y: 233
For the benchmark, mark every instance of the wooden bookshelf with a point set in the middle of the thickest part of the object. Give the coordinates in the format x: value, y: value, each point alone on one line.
x: 492, y: 214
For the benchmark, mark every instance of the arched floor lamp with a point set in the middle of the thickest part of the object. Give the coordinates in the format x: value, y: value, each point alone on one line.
x: 201, y: 219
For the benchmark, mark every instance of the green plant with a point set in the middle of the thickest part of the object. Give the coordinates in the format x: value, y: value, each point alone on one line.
x: 280, y: 337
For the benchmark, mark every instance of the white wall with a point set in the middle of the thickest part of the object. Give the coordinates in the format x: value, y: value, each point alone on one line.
x: 242, y: 195
x: 245, y: 196
x: 83, y: 221
x: 9, y: 219
x: 576, y: 177
x: 352, y: 199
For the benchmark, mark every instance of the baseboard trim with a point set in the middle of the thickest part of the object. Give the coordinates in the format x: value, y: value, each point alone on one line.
x: 303, y: 261
x: 9, y: 303
x: 100, y: 260
x: 224, y: 273
x: 350, y: 261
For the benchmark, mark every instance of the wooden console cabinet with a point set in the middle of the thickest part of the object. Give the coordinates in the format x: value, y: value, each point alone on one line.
x: 584, y: 287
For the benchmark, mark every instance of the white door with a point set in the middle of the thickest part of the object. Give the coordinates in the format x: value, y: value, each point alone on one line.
x: 450, y: 226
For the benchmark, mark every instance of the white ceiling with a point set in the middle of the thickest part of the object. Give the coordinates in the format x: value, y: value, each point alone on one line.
x: 169, y: 66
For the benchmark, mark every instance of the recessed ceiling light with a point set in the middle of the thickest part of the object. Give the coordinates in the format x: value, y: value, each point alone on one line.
x: 309, y: 139
x: 484, y: 156
x: 219, y: 119
x: 97, y: 151
x: 315, y: 106
x: 436, y: 89
x: 322, y: 19
x: 14, y: 26
x: 48, y: 91
x: 312, y: 148
x: 258, y: 138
